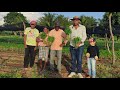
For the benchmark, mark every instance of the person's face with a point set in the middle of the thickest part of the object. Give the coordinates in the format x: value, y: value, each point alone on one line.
x: 57, y: 28
x: 33, y: 24
x: 76, y: 21
x: 45, y: 30
x: 92, y: 43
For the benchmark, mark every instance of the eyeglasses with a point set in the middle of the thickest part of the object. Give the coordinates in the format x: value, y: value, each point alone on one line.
x: 32, y: 24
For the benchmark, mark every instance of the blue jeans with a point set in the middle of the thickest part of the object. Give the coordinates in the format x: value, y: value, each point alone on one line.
x: 91, y: 67
x: 76, y: 56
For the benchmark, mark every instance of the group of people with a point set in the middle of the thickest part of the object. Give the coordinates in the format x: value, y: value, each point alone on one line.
x: 32, y: 40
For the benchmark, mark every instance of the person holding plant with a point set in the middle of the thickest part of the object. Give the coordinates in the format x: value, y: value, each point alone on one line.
x: 43, y: 48
x: 56, y: 47
x: 30, y: 35
x: 77, y: 38
x: 92, y: 55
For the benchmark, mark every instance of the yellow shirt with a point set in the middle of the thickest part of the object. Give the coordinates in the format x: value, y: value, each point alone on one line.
x: 58, y: 39
x: 31, y: 36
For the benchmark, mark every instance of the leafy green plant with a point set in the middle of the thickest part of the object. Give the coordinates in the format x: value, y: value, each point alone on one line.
x: 68, y: 31
x: 50, y: 40
x: 76, y: 40
x: 43, y: 35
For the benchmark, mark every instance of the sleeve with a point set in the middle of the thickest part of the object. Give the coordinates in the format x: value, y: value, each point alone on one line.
x: 37, y: 33
x: 25, y: 31
x: 88, y: 49
x: 84, y: 35
x: 97, y: 50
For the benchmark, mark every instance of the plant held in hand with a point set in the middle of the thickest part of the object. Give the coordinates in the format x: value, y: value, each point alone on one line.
x: 76, y: 40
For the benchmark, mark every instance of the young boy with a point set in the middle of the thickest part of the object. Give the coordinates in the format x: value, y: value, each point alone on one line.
x: 43, y: 50
x: 92, y: 55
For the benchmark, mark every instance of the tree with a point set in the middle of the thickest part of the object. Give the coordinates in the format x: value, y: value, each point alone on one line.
x: 115, y: 19
x: 14, y: 18
x: 104, y: 24
x: 112, y: 36
x: 47, y: 20
x: 64, y: 21
x: 89, y: 22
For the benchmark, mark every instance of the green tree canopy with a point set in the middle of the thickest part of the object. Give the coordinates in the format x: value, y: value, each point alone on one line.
x: 49, y: 20
x: 104, y: 22
x: 89, y: 22
x: 14, y: 18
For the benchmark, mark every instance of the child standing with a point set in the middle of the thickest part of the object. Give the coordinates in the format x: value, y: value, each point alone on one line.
x: 92, y: 55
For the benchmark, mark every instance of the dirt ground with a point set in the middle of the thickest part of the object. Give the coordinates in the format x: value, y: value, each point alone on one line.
x: 10, y: 62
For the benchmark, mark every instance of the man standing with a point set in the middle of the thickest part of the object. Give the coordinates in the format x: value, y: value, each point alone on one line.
x: 30, y: 35
x: 78, y: 30
x: 56, y: 47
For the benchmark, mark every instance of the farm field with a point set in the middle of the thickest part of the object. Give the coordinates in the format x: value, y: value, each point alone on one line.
x: 12, y: 55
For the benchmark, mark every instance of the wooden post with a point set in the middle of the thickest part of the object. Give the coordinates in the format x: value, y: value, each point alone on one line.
x: 112, y: 36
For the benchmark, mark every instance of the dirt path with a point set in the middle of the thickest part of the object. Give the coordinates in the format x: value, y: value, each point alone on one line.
x: 10, y: 62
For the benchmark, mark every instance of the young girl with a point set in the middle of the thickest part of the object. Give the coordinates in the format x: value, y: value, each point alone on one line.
x: 43, y: 50
x: 92, y: 55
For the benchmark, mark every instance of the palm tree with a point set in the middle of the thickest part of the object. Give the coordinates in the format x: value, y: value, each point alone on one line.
x: 47, y: 20
x: 64, y: 21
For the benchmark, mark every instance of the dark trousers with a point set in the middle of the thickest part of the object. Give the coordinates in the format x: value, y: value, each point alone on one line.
x: 29, y: 56
x: 76, y: 55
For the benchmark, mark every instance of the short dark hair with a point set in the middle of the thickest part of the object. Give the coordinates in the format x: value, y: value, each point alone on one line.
x: 93, y: 39
x: 45, y: 27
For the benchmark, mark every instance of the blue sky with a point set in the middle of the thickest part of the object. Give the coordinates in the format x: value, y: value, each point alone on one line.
x: 72, y: 14
x: 36, y: 15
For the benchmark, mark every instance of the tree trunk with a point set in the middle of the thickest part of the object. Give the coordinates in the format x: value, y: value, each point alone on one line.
x: 24, y: 25
x: 107, y: 43
x: 112, y: 36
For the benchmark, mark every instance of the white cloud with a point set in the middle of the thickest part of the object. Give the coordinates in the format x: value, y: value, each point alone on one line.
x: 2, y: 14
x: 30, y: 16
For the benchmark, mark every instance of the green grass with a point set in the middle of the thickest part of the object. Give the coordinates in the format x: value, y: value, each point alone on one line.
x: 15, y: 43
x: 104, y: 69
x: 11, y: 43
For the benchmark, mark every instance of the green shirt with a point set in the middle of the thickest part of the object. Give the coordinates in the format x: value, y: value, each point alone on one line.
x: 31, y: 36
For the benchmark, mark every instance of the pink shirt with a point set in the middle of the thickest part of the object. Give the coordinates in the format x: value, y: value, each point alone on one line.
x: 41, y: 43
x: 58, y: 39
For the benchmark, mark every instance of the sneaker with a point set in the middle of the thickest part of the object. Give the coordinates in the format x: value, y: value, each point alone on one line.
x: 80, y: 75
x: 71, y: 74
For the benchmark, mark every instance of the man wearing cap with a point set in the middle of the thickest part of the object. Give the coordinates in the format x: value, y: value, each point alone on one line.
x: 78, y: 30
x: 56, y: 47
x: 30, y: 35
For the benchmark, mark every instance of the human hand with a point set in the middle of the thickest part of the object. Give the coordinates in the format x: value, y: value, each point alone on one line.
x: 25, y: 46
x: 87, y: 55
x: 61, y: 45
x: 96, y: 57
x: 35, y: 49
